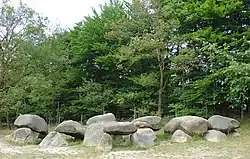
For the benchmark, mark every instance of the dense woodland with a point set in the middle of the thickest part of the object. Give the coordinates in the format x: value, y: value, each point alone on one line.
x: 150, y: 57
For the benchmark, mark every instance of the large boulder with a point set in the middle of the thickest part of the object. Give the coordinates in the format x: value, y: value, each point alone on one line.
x: 93, y: 134
x: 152, y: 122
x: 223, y: 124
x: 188, y: 124
x: 71, y: 128
x: 105, y: 143
x: 120, y: 128
x: 53, y: 139
x: 180, y: 137
x: 215, y: 136
x: 34, y: 122
x: 23, y: 136
x: 143, y: 137
x: 109, y: 117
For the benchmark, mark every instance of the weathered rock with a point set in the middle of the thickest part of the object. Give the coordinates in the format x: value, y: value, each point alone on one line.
x: 53, y: 139
x: 152, y: 122
x: 120, y: 128
x: 105, y: 143
x: 188, y: 124
x: 223, y: 124
x: 142, y: 124
x: 34, y: 122
x: 23, y: 135
x: 143, y: 137
x: 71, y: 128
x: 93, y: 134
x: 215, y: 136
x: 180, y: 137
x: 109, y: 117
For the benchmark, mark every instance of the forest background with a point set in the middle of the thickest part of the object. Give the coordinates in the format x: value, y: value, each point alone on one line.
x: 149, y: 57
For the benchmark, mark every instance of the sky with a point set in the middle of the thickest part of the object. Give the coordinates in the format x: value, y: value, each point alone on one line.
x: 64, y: 12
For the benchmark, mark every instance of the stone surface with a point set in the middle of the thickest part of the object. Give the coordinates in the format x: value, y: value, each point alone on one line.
x: 188, y: 124
x: 143, y: 137
x: 120, y: 128
x: 215, y: 136
x: 142, y: 124
x: 180, y: 137
x: 34, y: 122
x: 105, y: 143
x: 71, y: 128
x: 23, y: 135
x: 152, y: 122
x: 223, y: 124
x: 93, y: 134
x: 109, y: 117
x: 53, y: 139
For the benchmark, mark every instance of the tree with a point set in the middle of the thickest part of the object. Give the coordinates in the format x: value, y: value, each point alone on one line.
x: 215, y: 32
x: 151, y: 40
x: 18, y: 26
x: 95, y: 76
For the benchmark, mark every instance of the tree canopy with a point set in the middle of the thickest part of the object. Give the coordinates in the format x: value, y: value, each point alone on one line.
x: 148, y: 57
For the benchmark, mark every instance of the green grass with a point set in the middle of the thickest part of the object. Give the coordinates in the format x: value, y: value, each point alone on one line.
x: 161, y: 136
x: 4, y: 133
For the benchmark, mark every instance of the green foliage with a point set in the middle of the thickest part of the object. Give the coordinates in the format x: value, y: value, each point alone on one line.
x: 161, y: 136
x: 159, y: 57
x: 182, y: 110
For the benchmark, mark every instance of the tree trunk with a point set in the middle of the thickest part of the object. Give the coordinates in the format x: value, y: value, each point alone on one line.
x: 161, y: 67
x: 159, y: 103
x: 49, y: 122
x: 242, y: 113
x: 134, y: 113
x: 248, y: 107
x: 183, y: 87
x: 103, y: 111
x: 58, y: 113
x: 81, y: 119
x: 17, y: 112
x: 166, y: 108
x: 1, y: 126
x: 47, y: 116
x: 206, y: 112
x: 7, y: 120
